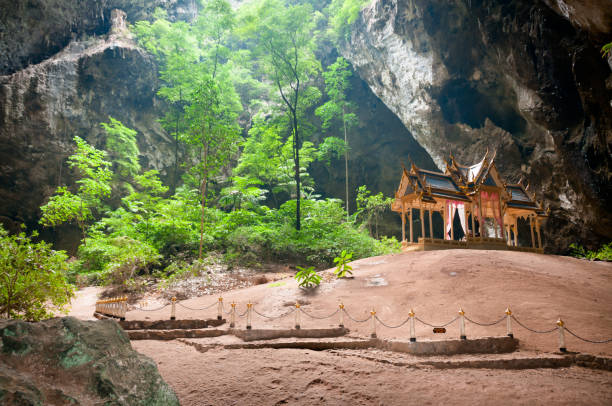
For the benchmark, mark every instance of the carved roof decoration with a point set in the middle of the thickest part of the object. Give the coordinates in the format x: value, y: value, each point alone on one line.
x: 464, y: 183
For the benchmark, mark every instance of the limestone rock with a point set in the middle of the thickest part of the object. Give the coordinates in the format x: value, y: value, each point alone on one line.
x: 517, y: 76
x: 68, y: 361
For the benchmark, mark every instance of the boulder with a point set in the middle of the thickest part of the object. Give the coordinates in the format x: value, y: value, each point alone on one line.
x: 69, y: 361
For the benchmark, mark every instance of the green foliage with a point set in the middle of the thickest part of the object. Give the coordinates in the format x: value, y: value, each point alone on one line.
x: 94, y: 181
x: 116, y: 259
x: 32, y: 278
x: 307, y: 277
x: 602, y: 254
x: 331, y: 148
x: 370, y: 207
x: 606, y: 49
x: 342, y: 264
x: 122, y: 148
x: 343, y: 13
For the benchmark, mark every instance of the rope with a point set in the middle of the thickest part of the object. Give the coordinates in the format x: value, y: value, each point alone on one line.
x: 388, y: 326
x: 312, y: 316
x: 443, y: 325
x: 243, y: 314
x: 532, y: 330
x: 485, y: 324
x: 355, y: 320
x: 274, y: 317
x: 228, y: 312
x: 191, y: 308
x: 588, y: 341
x: 147, y: 310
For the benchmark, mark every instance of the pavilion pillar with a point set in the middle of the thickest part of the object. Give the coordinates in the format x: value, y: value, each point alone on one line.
x: 403, y: 222
x: 539, y: 235
x: 430, y: 224
x: 531, y: 229
x: 480, y: 219
x: 411, y: 233
x: 472, y: 214
x: 508, y: 239
x: 516, y: 231
x: 501, y: 217
x: 422, y: 222
x: 444, y: 222
x: 452, y: 221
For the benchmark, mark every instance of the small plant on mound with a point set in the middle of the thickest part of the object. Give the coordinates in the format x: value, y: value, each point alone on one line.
x: 342, y: 264
x: 307, y: 277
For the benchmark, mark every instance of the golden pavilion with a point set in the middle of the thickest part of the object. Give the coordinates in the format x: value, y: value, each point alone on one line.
x: 467, y: 207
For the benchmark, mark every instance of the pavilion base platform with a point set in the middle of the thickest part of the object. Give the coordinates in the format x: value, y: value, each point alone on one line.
x: 477, y: 243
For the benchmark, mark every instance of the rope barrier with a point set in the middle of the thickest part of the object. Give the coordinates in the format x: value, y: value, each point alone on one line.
x: 148, y: 310
x: 312, y: 316
x: 587, y: 340
x: 373, y: 317
x: 355, y: 320
x: 434, y: 326
x: 191, y: 308
x: 274, y: 317
x: 388, y: 326
x: 485, y: 324
x: 532, y: 330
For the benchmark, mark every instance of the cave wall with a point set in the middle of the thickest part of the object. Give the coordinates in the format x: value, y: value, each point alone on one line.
x: 520, y: 77
x: 44, y: 105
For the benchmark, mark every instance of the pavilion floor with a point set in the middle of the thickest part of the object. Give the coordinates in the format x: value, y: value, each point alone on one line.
x: 480, y: 243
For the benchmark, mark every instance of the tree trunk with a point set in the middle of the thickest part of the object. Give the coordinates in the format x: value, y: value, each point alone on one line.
x: 346, y: 165
x: 203, y: 187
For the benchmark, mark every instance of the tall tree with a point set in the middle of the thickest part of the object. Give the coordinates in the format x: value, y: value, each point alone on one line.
x: 337, y: 83
x: 284, y: 44
x: 214, y: 131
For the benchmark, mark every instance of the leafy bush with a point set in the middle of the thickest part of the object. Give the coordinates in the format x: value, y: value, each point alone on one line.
x: 342, y: 264
x: 32, y: 277
x: 117, y: 259
x: 603, y: 254
x: 307, y: 277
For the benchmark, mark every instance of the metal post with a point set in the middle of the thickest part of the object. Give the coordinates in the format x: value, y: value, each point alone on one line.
x: 249, y: 307
x: 297, y: 315
x: 233, y: 315
x: 341, y: 325
x: 373, y: 314
x: 173, y: 311
x: 123, y: 308
x: 462, y: 324
x: 509, y: 322
x: 561, y: 326
x: 220, y: 309
x: 412, y: 333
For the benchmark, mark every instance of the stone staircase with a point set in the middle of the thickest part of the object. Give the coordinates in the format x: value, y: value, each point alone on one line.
x: 484, y: 352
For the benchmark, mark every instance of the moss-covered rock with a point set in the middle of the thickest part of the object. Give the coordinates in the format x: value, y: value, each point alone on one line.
x: 69, y: 361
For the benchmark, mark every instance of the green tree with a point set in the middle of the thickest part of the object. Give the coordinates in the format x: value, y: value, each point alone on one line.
x: 214, y: 131
x: 337, y: 83
x: 371, y: 207
x: 123, y: 152
x: 32, y: 278
x: 284, y: 44
x: 94, y: 184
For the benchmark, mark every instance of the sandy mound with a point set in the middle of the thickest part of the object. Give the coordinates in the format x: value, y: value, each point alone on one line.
x: 538, y: 289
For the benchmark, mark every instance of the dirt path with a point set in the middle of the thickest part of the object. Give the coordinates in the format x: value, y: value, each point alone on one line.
x: 303, y: 377
x: 84, y: 303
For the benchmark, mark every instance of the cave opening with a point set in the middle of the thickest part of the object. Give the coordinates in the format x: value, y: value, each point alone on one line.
x: 462, y: 102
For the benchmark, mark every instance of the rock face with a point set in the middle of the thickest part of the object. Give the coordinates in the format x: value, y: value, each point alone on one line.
x: 43, y: 106
x: 516, y: 76
x: 67, y: 361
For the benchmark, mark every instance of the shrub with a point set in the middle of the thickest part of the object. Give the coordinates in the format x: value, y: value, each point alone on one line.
x: 118, y: 259
x: 307, y: 277
x: 342, y: 264
x: 32, y: 277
